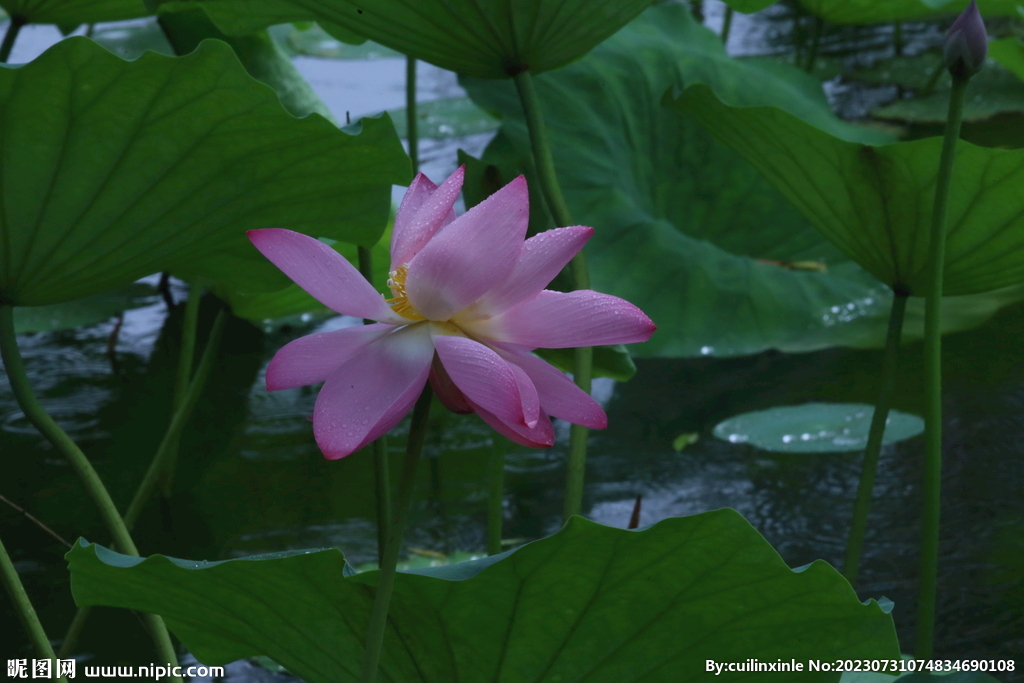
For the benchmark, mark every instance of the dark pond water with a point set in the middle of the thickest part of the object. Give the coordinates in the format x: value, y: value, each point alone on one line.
x: 252, y: 480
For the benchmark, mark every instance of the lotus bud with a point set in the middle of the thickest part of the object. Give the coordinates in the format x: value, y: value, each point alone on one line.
x: 966, y: 43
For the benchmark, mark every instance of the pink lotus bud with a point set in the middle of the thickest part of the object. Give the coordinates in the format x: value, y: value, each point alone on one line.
x: 966, y: 43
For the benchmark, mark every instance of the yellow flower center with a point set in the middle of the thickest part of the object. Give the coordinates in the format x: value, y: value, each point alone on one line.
x: 400, y: 303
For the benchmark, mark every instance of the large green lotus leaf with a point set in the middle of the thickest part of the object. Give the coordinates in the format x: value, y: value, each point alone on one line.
x: 74, y: 12
x: 1010, y: 53
x: 91, y: 309
x: 878, y: 11
x: 114, y: 170
x: 875, y: 202
x: 589, y: 603
x: 680, y: 221
x: 492, y: 39
x: 749, y: 6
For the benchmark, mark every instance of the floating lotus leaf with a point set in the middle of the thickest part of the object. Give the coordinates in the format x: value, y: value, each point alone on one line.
x: 815, y: 428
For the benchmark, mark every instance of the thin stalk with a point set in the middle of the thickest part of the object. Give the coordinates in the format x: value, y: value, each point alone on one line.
x: 812, y: 57
x: 26, y: 612
x: 382, y: 475
x: 933, y: 381
x: 897, y: 38
x: 184, y: 375
x: 178, y: 421
x: 412, y: 132
x: 496, y: 495
x: 933, y: 80
x: 183, y: 408
x: 67, y: 646
x: 862, y: 505
x: 30, y: 517
x: 22, y: 388
x: 13, y: 29
x: 726, y: 25
x: 386, y: 578
x: 381, y: 468
x: 582, y: 357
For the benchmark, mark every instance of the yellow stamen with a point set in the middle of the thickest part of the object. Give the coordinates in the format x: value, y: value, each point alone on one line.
x: 400, y: 304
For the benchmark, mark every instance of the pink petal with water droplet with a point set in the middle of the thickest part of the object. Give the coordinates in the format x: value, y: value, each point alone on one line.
x: 559, y: 396
x: 470, y: 256
x: 370, y: 392
x: 542, y: 435
x: 425, y: 209
x: 542, y: 257
x: 562, y: 320
x: 311, y: 359
x: 483, y: 377
x: 324, y: 273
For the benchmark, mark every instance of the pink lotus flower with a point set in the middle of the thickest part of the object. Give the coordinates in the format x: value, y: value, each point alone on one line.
x: 469, y: 305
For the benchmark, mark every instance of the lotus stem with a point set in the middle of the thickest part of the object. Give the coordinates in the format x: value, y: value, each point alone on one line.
x: 933, y: 381
x: 382, y: 470
x: 38, y: 416
x: 812, y: 57
x: 26, y: 612
x: 726, y: 25
x: 862, y: 504
x: 67, y: 646
x: 933, y: 80
x: 184, y: 375
x: 388, y: 568
x: 13, y: 29
x: 181, y: 415
x: 496, y: 497
x: 411, y: 130
x: 582, y: 357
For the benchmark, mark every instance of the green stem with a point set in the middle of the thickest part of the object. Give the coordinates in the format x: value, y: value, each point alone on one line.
x: 178, y: 421
x: 67, y: 646
x: 583, y: 357
x: 940, y: 68
x: 26, y: 612
x: 55, y: 435
x: 382, y: 475
x: 897, y: 38
x: 181, y: 381
x: 542, y: 156
x: 812, y: 57
x: 28, y: 402
x: 496, y: 495
x: 727, y: 25
x: 412, y: 132
x: 13, y: 29
x: 382, y: 470
x: 933, y: 381
x: 862, y: 505
x: 386, y: 578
